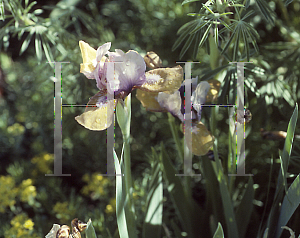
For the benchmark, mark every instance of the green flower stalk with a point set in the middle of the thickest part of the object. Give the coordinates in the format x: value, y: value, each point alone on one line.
x: 123, y: 112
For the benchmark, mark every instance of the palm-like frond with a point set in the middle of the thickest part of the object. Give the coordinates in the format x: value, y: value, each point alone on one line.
x: 243, y: 32
x: 266, y: 11
x: 199, y: 30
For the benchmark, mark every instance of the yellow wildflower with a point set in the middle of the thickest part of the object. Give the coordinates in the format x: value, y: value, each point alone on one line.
x: 8, y: 192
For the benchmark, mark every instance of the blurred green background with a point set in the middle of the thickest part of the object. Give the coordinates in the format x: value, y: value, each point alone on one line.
x: 50, y: 30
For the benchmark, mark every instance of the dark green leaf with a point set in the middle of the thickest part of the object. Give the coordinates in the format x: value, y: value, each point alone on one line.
x: 205, y: 35
x: 226, y: 200
x: 290, y: 203
x: 196, y: 45
x: 233, y: 25
x: 236, y: 44
x: 266, y: 11
x: 244, y: 210
x: 279, y: 193
x: 90, y: 231
x: 47, y: 51
x: 287, y: 2
x: 183, y: 34
x: 248, y: 14
x: 219, y: 232
x: 199, y: 27
x: 38, y: 47
x: 189, y: 1
x: 246, y: 45
x: 154, y: 211
x: 189, y: 25
x: 286, y: 153
x: 247, y: 4
x: 210, y: 74
x: 188, y: 211
x: 26, y: 42
x: 186, y: 45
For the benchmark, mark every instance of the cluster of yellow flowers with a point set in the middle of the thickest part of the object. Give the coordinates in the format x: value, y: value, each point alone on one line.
x: 22, y: 227
x: 43, y: 164
x: 26, y: 192
x: 8, y: 192
x: 16, y: 129
x: 97, y: 185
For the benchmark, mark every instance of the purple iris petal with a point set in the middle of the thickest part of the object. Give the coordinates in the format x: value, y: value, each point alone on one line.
x: 199, y: 97
x: 128, y: 74
x: 100, y: 70
x: 171, y: 102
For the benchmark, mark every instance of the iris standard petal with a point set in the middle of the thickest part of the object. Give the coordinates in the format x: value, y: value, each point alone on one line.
x: 102, y: 50
x: 128, y: 74
x: 199, y: 96
x: 117, y: 53
x: 100, y: 71
x: 89, y: 59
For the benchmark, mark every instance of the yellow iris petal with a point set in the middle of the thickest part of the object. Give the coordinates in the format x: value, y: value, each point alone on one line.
x: 213, y: 92
x: 169, y: 81
x: 97, y: 118
x: 202, y: 140
x: 88, y: 56
x: 148, y: 100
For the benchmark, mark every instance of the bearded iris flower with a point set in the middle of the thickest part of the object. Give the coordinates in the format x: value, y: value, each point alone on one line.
x: 202, y: 140
x: 128, y: 74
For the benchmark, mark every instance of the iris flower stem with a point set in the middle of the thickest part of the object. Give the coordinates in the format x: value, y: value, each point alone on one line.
x: 124, y: 119
x: 176, y: 136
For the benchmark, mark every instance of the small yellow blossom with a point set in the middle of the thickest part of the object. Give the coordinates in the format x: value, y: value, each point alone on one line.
x: 16, y: 129
x: 29, y: 224
x: 111, y: 207
x: 97, y: 185
x: 135, y: 195
x: 27, y: 192
x: 43, y: 164
x: 8, y: 192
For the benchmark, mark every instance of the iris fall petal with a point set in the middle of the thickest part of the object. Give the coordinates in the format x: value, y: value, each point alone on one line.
x: 202, y: 140
x: 213, y: 92
x: 163, y: 80
x: 100, y: 116
x: 149, y: 100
